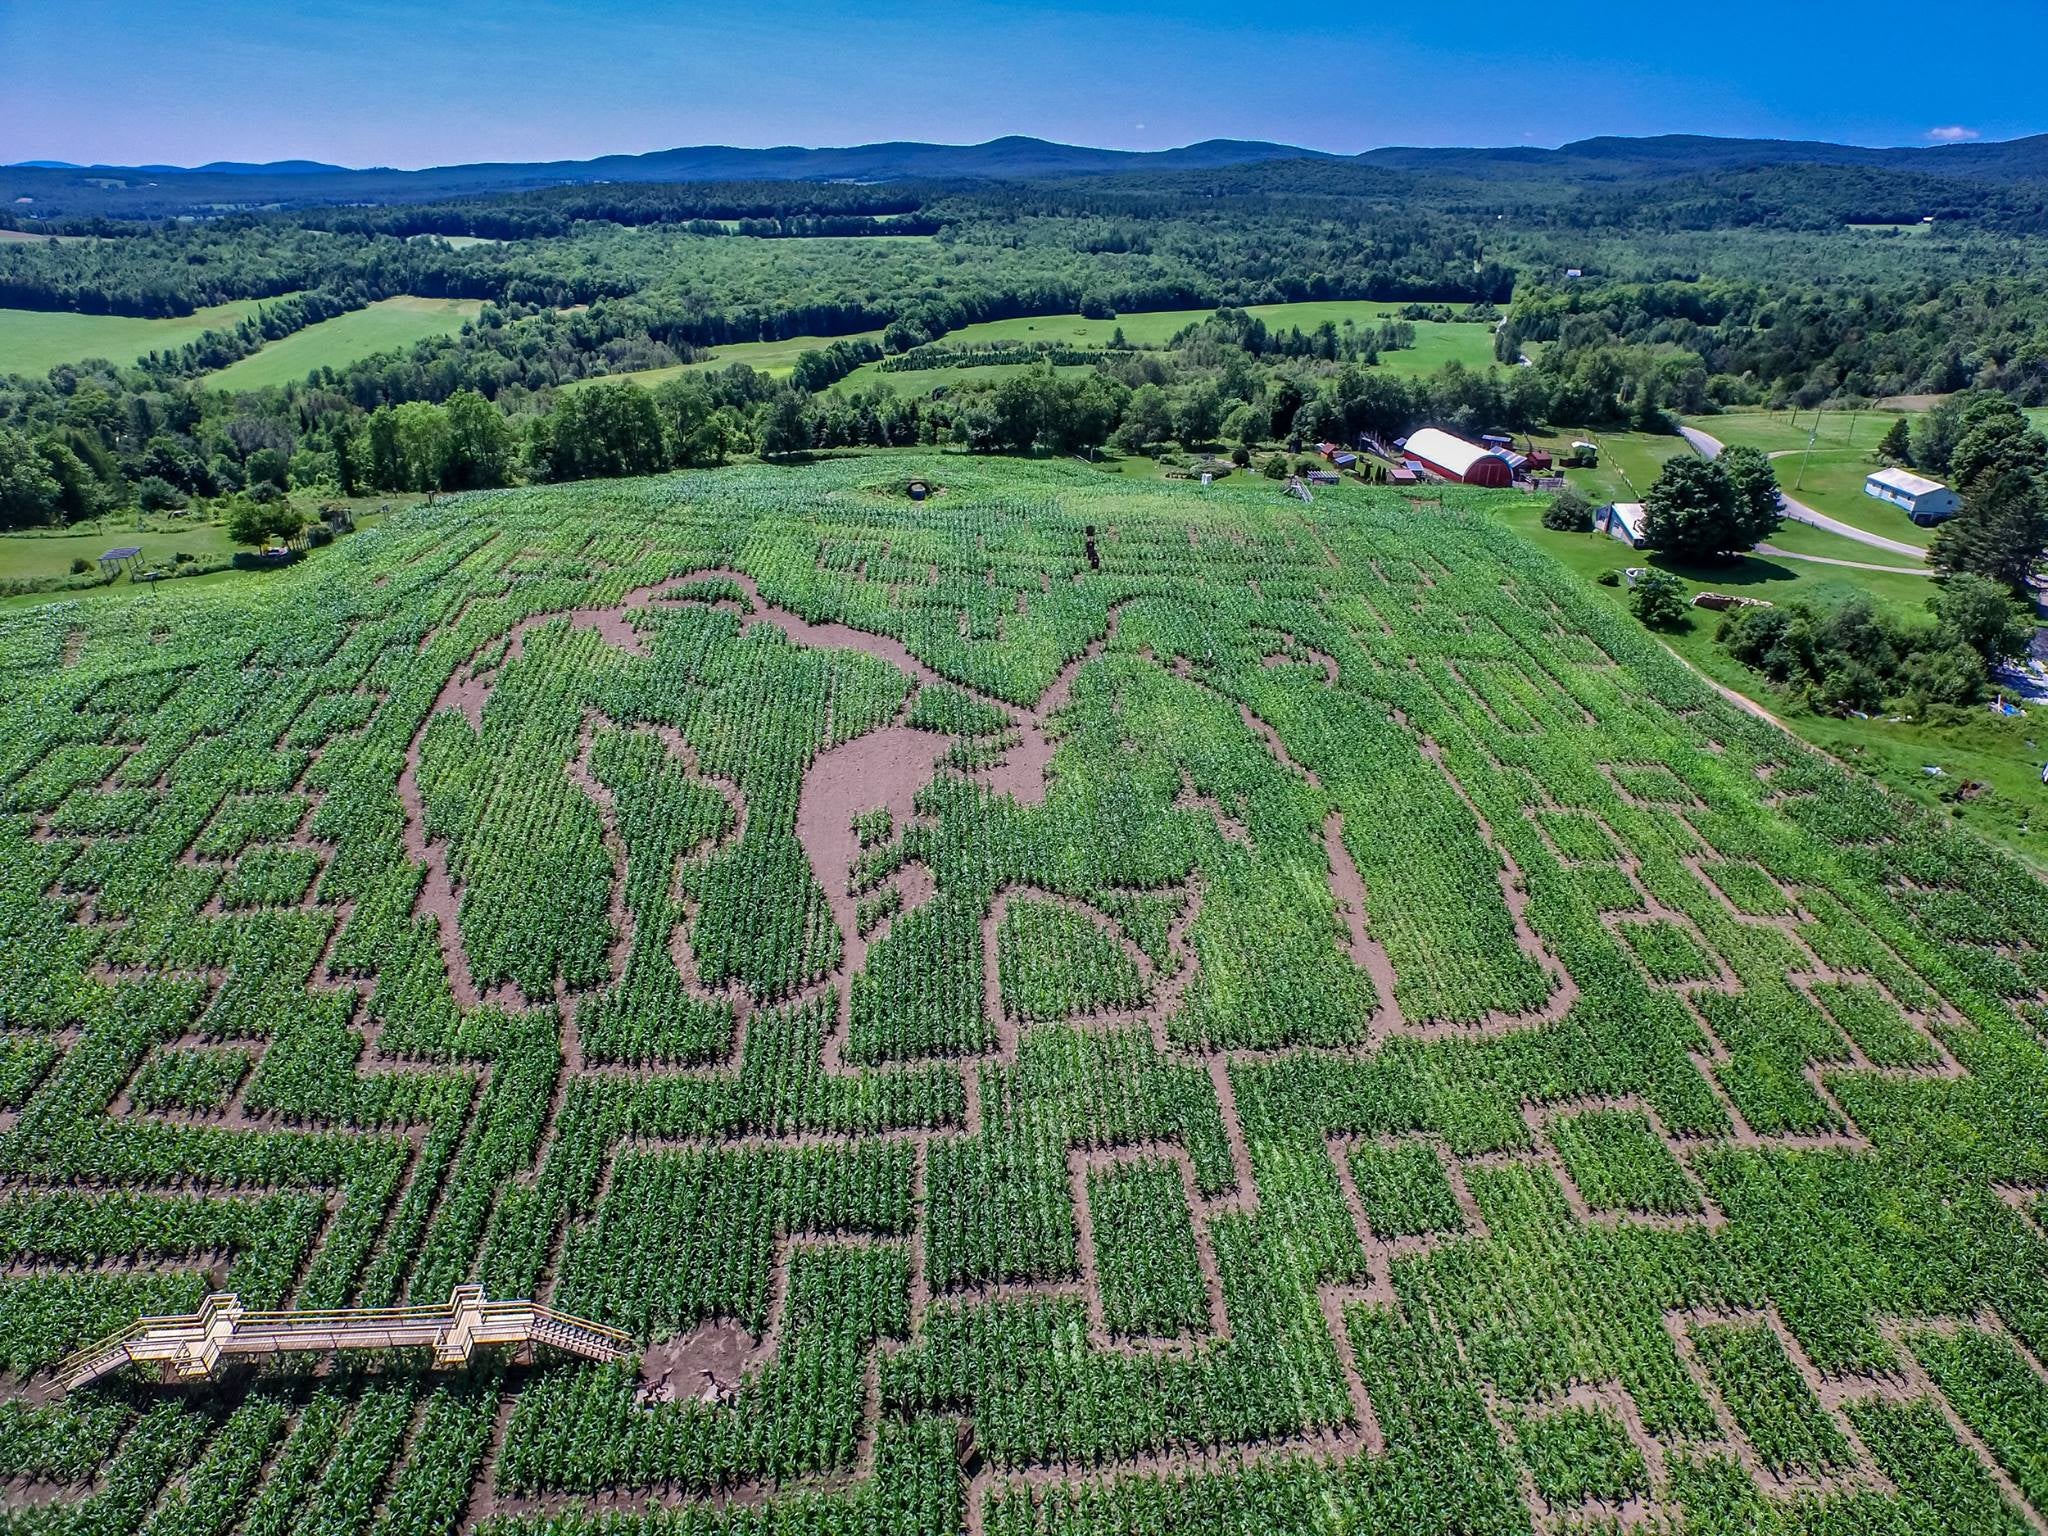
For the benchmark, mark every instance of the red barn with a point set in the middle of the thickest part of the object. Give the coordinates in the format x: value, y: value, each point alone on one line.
x: 1450, y: 457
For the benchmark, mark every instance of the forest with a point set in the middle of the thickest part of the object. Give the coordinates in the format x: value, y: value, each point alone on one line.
x: 1748, y: 285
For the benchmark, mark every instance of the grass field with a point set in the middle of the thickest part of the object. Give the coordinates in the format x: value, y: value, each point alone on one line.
x: 1831, y: 481
x: 1805, y: 539
x: 34, y: 341
x: 774, y: 358
x: 923, y: 381
x: 1776, y: 431
x: 1629, y: 461
x: 386, y: 326
x: 1436, y: 342
x: 1082, y: 1006
x: 30, y: 556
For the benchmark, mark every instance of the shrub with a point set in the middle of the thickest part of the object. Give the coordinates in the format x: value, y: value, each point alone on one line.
x: 1569, y: 512
x: 158, y: 495
x: 1658, y: 600
x: 80, y: 565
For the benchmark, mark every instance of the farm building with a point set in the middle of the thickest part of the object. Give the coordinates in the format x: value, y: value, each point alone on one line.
x: 1622, y: 520
x: 1450, y: 457
x: 1925, y: 501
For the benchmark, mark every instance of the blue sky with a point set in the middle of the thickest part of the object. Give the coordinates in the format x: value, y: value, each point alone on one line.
x: 378, y: 82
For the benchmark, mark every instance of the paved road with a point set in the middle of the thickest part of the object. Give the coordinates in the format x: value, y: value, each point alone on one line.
x: 1710, y: 448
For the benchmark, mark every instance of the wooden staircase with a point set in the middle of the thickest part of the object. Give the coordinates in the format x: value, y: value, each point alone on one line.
x: 190, y: 1348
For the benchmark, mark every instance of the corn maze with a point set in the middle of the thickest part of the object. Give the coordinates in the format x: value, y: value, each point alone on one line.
x: 1300, y: 1022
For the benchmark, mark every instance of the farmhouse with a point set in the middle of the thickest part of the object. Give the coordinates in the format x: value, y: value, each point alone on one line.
x: 1622, y: 520
x: 1449, y: 457
x: 1925, y: 501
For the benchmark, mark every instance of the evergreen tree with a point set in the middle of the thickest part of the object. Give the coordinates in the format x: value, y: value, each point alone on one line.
x: 2000, y: 532
x: 1896, y: 447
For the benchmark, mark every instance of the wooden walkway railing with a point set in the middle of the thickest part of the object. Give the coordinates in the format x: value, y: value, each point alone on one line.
x: 188, y: 1348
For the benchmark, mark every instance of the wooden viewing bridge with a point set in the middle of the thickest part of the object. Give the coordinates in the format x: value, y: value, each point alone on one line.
x: 189, y: 1348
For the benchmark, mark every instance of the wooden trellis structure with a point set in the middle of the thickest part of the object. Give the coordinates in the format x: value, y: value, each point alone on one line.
x: 189, y: 1348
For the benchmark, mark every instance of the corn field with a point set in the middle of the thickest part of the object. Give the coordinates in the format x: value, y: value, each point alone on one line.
x: 1071, y: 1006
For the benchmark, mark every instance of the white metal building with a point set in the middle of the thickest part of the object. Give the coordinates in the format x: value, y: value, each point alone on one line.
x: 1925, y: 501
x: 1622, y: 520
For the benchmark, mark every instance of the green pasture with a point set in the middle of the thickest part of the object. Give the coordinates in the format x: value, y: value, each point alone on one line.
x: 1629, y: 461
x: 1831, y: 481
x: 1805, y: 539
x: 1777, y: 431
x: 924, y: 381
x: 774, y: 358
x: 1436, y: 342
x: 37, y: 554
x: 34, y: 341
x: 386, y: 326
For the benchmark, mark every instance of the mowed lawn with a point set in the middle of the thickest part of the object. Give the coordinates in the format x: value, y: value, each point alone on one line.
x: 386, y: 326
x: 30, y: 556
x: 34, y: 341
x: 1831, y: 480
x: 1629, y: 461
x: 1776, y: 431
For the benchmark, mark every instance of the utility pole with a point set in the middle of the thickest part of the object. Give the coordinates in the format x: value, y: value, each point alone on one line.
x: 1808, y: 457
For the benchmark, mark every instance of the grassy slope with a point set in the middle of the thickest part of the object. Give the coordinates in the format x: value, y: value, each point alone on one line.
x: 1831, y: 481
x: 382, y: 327
x: 34, y: 341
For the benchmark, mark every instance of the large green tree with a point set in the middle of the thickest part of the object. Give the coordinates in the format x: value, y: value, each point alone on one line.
x: 2000, y: 532
x: 479, y: 444
x: 29, y: 493
x: 1978, y: 613
x: 258, y: 523
x: 1707, y: 510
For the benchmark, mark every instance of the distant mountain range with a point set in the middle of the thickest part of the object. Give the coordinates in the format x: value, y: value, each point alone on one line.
x: 1687, y: 152
x: 44, y: 189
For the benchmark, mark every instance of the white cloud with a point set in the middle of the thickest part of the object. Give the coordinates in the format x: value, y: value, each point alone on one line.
x: 1953, y: 134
